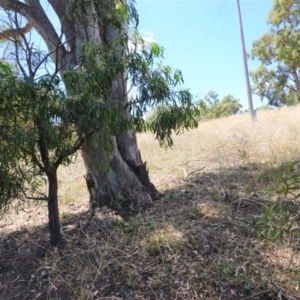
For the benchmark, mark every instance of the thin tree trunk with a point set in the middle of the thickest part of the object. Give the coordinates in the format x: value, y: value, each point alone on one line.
x: 53, y: 214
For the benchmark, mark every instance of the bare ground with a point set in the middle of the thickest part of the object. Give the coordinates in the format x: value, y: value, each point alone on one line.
x: 196, y: 242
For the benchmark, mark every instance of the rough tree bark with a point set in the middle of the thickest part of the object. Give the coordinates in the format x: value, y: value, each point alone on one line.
x: 126, y: 185
x: 53, y: 215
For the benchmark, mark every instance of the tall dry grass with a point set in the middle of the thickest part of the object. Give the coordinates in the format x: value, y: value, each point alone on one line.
x: 228, y: 142
x: 216, y: 144
x: 161, y: 250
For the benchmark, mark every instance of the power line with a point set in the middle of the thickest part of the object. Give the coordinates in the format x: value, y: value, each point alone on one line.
x: 209, y: 32
x: 209, y: 48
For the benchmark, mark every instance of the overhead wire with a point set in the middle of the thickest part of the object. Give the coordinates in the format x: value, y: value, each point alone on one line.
x: 209, y: 48
x: 208, y: 32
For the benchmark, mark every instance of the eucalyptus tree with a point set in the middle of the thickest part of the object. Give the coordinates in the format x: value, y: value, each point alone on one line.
x: 277, y: 78
x: 104, y: 77
x: 211, y: 107
x: 38, y: 133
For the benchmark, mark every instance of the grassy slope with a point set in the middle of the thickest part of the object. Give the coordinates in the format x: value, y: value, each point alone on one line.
x: 192, y: 244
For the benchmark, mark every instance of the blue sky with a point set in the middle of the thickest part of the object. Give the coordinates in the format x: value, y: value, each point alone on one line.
x: 202, y: 39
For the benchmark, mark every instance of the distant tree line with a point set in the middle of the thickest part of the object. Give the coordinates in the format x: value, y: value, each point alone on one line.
x: 211, y: 107
x: 207, y: 108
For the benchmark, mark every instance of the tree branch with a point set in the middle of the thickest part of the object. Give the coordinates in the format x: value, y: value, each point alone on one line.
x: 15, y: 5
x: 10, y: 34
x: 34, y: 159
x: 34, y: 198
x: 78, y: 143
x: 36, y: 16
x: 62, y: 9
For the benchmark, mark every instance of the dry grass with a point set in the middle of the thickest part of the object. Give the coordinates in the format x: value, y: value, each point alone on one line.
x: 228, y: 142
x: 195, y: 243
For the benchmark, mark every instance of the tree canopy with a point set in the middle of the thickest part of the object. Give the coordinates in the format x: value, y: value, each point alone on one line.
x: 277, y: 78
x: 211, y: 107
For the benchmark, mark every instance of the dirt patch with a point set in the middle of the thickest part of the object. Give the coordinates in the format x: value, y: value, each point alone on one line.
x: 197, y: 242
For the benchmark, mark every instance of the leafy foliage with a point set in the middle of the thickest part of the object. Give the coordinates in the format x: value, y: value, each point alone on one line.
x: 46, y: 120
x: 15, y: 173
x: 277, y: 78
x: 40, y: 124
x: 168, y: 117
x: 36, y: 128
x: 282, y: 218
x: 157, y: 87
x: 11, y: 181
x: 211, y: 107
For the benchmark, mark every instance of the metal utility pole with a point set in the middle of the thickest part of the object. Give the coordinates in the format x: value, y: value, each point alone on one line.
x: 250, y: 103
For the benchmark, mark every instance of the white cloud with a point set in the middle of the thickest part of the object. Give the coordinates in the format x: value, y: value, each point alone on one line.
x: 148, y: 36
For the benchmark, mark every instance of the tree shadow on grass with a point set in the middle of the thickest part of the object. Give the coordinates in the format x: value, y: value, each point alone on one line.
x: 197, y: 242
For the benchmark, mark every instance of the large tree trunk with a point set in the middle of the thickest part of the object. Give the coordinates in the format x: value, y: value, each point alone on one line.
x: 126, y: 185
x: 127, y: 146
